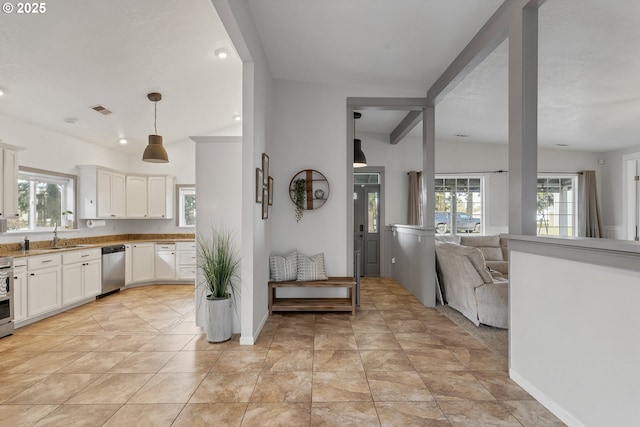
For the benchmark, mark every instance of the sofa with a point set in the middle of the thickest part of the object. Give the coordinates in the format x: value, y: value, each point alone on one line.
x: 479, y: 293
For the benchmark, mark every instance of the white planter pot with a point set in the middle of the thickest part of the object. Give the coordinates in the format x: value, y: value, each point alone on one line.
x: 219, y: 320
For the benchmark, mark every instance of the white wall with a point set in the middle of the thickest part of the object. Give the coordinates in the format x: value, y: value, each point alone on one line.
x: 256, y: 116
x: 573, y: 342
x: 309, y: 132
x: 219, y: 200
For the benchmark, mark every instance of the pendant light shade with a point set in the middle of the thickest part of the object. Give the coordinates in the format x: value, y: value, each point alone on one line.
x: 359, y: 159
x: 155, y: 152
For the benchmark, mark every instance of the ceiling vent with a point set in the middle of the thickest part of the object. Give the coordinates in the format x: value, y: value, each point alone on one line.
x: 102, y: 110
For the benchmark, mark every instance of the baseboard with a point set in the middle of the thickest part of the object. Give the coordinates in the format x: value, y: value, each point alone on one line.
x: 256, y: 333
x: 545, y: 401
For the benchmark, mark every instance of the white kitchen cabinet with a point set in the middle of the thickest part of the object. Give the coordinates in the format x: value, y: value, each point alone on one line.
x: 165, y: 261
x: 72, y: 283
x: 142, y: 262
x: 101, y: 193
x: 111, y: 194
x: 44, y: 284
x: 186, y: 260
x: 9, y: 184
x: 81, y: 275
x: 160, y: 196
x: 136, y: 199
x: 20, y: 289
x: 92, y: 278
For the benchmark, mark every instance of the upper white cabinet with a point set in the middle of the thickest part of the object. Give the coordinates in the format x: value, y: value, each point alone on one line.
x: 109, y: 194
x: 160, y: 196
x: 136, y: 196
x: 9, y: 207
x: 102, y: 193
x: 110, y: 186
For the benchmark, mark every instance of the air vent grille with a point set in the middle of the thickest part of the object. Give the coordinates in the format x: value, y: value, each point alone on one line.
x: 102, y: 110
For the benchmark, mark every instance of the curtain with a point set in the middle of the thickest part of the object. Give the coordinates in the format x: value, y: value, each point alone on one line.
x: 589, y: 218
x: 415, y: 198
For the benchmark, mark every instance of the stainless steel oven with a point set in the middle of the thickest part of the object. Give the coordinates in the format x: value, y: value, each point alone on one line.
x: 6, y: 296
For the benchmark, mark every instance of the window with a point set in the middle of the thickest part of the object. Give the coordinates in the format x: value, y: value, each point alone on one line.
x: 556, y: 205
x: 44, y: 199
x: 467, y: 193
x: 186, y: 194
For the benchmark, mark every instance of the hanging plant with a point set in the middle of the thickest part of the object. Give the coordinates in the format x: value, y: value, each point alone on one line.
x: 299, y: 193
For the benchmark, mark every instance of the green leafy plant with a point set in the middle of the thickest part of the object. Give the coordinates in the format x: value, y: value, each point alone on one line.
x: 220, y: 262
x: 299, y: 194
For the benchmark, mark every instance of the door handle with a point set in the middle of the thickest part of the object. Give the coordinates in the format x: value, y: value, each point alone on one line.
x: 361, y: 227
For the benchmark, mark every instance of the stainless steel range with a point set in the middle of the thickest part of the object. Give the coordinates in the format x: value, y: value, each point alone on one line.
x: 6, y: 296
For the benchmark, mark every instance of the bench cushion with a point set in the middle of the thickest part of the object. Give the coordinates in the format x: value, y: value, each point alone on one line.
x: 284, y: 268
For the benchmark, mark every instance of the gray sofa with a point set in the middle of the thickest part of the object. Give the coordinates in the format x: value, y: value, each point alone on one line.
x: 470, y: 287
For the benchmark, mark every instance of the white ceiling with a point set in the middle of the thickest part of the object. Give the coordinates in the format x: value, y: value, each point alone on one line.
x: 79, y: 54
x: 589, y: 69
x: 84, y: 53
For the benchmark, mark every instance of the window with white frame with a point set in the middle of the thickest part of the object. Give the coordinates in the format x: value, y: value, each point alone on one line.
x: 45, y: 199
x: 466, y: 194
x: 186, y: 194
x: 556, y: 207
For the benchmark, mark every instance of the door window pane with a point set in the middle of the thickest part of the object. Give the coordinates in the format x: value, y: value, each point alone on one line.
x: 373, y: 212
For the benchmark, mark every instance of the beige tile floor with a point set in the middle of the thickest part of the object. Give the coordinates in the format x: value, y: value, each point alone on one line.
x: 136, y: 359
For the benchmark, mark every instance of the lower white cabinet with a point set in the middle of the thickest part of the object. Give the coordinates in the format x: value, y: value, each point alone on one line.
x: 165, y: 262
x: 44, y: 284
x: 81, y: 275
x: 186, y: 260
x: 142, y: 262
x: 20, y: 290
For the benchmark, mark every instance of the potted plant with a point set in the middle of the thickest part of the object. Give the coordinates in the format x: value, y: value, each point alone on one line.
x: 219, y: 262
x: 299, y: 194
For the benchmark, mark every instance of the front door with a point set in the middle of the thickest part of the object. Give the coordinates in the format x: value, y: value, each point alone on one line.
x: 366, y: 227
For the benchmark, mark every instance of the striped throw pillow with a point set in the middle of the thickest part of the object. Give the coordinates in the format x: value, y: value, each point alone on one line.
x: 284, y: 268
x: 311, y: 268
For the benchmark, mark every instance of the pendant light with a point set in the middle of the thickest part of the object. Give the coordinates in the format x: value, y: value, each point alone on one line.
x: 155, y: 152
x: 359, y: 159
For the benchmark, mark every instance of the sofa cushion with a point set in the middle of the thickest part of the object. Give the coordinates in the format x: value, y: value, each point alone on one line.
x: 284, y: 268
x: 489, y: 241
x: 477, y: 260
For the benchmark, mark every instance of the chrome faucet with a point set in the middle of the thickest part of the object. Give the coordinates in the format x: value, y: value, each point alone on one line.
x: 56, y: 239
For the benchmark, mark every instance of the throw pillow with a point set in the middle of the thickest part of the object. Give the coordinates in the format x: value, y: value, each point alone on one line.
x: 284, y: 268
x: 311, y: 268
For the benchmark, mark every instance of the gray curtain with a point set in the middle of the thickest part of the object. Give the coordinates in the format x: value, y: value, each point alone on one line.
x: 415, y: 198
x: 589, y: 219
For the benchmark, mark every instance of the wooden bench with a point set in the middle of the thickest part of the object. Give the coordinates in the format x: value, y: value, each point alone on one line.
x: 314, y: 304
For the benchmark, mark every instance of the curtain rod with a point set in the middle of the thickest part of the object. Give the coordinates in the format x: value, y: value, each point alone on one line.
x: 498, y: 171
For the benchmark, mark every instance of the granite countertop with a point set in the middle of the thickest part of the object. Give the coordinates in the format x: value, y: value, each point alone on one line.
x: 45, y: 247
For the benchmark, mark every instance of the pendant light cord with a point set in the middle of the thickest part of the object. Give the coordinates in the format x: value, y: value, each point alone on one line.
x: 155, y: 116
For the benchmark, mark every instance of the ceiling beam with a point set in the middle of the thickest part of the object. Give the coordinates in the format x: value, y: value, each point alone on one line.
x: 492, y: 33
x: 410, y: 121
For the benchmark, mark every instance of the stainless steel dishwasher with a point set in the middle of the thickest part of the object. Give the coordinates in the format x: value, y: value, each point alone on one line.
x: 112, y: 269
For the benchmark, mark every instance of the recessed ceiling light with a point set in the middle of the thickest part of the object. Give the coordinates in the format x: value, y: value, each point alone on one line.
x: 221, y: 53
x: 71, y: 120
x: 237, y: 117
x: 462, y: 135
x: 2, y: 91
x: 122, y: 141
